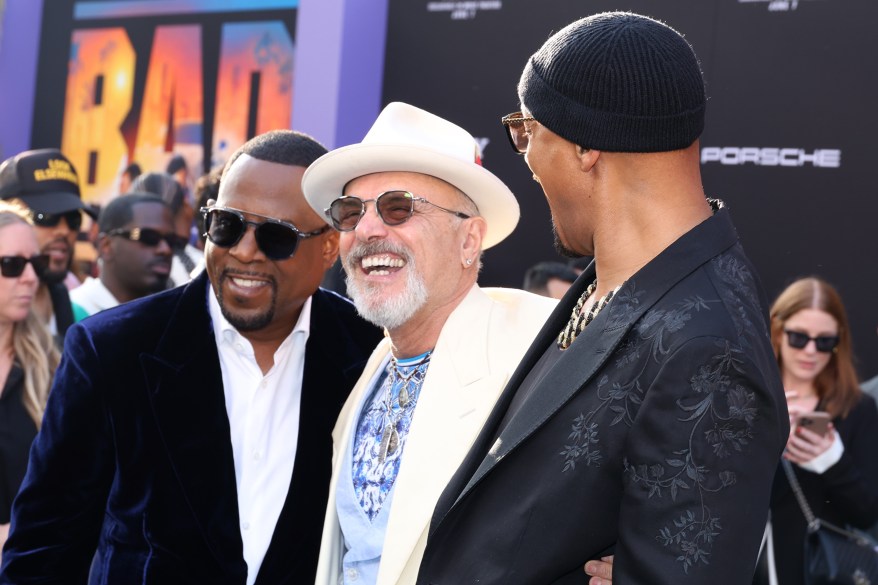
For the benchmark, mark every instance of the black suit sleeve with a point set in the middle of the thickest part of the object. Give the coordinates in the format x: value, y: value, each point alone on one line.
x: 57, y: 515
x: 851, y: 485
x: 696, y: 493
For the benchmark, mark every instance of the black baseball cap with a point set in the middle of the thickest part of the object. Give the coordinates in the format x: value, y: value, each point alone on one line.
x: 44, y: 180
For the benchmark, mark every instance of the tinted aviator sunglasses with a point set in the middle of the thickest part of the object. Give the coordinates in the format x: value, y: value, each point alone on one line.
x: 73, y: 218
x: 277, y: 239
x: 823, y: 343
x: 13, y: 266
x: 517, y: 131
x: 150, y: 237
x: 393, y: 207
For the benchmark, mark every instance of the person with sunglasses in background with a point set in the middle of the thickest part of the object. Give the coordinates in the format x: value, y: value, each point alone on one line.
x: 187, y: 438
x: 415, y: 209
x: 28, y: 356
x: 836, y: 464
x: 188, y: 261
x: 135, y: 246
x: 648, y: 416
x: 45, y: 181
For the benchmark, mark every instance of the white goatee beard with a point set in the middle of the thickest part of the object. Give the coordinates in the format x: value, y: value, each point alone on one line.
x: 372, y: 302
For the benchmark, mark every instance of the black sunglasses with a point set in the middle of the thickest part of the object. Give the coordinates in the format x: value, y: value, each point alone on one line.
x: 394, y: 208
x: 277, y: 239
x: 517, y: 131
x: 13, y: 266
x: 150, y: 237
x: 73, y: 218
x: 823, y: 343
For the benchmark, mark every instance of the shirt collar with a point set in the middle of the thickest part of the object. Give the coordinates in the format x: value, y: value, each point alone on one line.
x: 225, y: 332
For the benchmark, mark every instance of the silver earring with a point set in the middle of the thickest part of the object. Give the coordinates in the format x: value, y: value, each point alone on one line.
x: 469, y: 261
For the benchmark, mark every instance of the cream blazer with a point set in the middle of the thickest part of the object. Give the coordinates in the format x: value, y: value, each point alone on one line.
x: 479, y: 347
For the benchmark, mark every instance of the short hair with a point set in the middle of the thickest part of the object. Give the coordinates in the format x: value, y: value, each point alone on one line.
x: 163, y: 185
x: 177, y: 163
x: 118, y: 212
x: 286, y: 147
x: 206, y: 188
x: 539, y: 274
x: 133, y: 170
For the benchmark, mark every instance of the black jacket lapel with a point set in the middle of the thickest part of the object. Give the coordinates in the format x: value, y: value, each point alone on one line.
x: 186, y: 392
x: 586, y: 356
x: 336, y: 352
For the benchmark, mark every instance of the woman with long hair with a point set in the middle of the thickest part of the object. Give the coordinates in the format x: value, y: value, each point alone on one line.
x: 837, y: 469
x: 28, y: 356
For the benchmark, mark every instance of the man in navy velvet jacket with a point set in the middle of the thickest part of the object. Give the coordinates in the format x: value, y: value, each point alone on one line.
x: 151, y: 467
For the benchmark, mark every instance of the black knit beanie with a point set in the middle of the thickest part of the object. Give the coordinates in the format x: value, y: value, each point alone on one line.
x: 618, y: 82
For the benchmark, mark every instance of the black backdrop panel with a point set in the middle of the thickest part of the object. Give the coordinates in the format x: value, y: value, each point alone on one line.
x: 791, y: 116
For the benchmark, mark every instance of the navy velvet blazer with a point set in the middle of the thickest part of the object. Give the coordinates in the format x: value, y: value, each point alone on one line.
x: 134, y: 459
x: 656, y: 434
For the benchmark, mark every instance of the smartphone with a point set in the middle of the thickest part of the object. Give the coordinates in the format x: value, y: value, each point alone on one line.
x: 817, y: 422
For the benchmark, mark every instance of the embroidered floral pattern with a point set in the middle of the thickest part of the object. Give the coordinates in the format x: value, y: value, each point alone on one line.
x: 739, y: 292
x: 718, y: 410
x: 722, y: 414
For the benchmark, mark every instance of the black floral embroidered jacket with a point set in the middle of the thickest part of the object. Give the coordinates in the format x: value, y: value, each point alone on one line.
x: 654, y: 436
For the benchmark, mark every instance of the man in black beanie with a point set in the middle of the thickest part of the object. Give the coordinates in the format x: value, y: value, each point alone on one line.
x: 648, y: 416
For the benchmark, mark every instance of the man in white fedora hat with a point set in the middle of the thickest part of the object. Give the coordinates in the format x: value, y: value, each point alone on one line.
x: 415, y: 209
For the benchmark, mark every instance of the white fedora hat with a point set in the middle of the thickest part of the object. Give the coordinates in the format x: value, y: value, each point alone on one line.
x: 406, y: 138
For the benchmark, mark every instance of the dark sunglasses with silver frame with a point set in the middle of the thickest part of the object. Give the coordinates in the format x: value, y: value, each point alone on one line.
x: 823, y: 343
x: 278, y: 240
x: 394, y: 208
x: 517, y: 131
x: 13, y: 266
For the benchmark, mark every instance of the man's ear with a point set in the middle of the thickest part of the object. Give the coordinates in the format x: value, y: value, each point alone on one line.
x: 104, y: 247
x: 476, y: 228
x: 330, y: 248
x: 587, y: 157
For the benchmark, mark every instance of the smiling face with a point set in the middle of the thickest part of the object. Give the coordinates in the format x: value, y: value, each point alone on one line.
x: 17, y: 293
x: 395, y: 273
x: 802, y: 366
x: 260, y: 296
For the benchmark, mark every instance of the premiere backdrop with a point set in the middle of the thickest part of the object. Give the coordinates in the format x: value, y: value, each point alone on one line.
x: 788, y: 144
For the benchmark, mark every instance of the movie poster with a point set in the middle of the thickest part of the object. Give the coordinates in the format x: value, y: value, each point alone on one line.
x: 124, y: 81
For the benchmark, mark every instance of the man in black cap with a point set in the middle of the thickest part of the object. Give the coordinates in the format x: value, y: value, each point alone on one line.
x: 648, y: 417
x: 47, y: 183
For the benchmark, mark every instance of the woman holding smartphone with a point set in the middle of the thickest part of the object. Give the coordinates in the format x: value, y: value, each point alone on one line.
x: 835, y: 461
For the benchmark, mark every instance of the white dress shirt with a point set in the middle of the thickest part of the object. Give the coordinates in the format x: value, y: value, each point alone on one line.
x: 264, y: 419
x: 93, y: 296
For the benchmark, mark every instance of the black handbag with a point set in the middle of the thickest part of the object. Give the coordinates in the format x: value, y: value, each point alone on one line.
x: 833, y: 555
